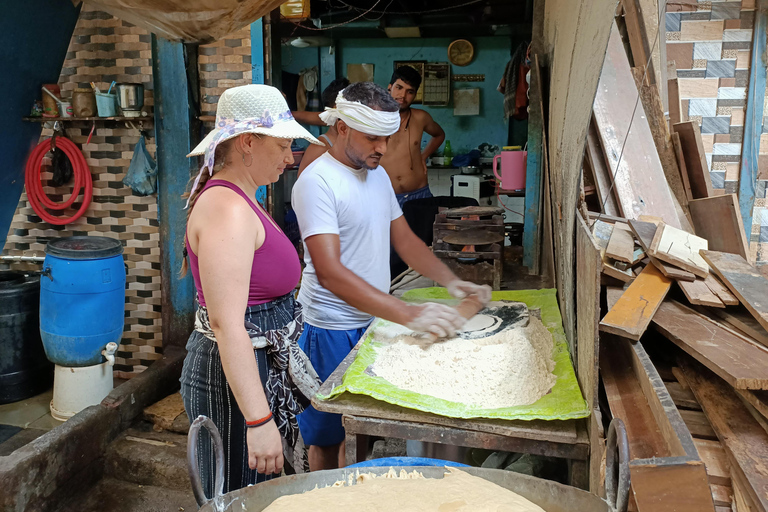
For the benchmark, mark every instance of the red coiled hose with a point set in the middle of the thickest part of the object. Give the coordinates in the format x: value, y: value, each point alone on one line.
x: 37, y: 197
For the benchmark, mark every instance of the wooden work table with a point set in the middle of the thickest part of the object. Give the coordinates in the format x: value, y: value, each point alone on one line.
x: 363, y: 415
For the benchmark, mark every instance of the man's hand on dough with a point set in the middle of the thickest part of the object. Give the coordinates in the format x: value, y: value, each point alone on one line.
x: 461, y: 289
x: 441, y: 320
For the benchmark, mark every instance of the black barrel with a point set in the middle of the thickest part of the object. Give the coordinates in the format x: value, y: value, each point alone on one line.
x: 24, y: 369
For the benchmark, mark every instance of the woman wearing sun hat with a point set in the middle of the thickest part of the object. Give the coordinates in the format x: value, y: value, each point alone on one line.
x: 243, y: 368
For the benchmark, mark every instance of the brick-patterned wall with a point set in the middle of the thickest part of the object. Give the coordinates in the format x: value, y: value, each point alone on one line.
x: 223, y: 64
x: 710, y: 42
x: 102, y: 49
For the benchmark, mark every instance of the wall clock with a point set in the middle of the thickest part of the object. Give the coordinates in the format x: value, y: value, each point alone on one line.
x: 461, y: 52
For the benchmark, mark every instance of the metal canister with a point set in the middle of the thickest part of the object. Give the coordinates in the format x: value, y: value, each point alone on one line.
x: 130, y: 97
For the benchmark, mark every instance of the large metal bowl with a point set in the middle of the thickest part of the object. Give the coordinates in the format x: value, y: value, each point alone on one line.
x: 551, y: 496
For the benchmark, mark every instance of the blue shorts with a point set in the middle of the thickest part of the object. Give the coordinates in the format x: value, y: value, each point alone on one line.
x: 326, y: 349
x: 421, y: 193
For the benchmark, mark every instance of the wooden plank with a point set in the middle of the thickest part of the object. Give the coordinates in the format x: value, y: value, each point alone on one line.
x: 638, y: 39
x: 649, y: 94
x: 681, y: 166
x: 744, y: 440
x: 744, y: 281
x: 633, y: 312
x: 621, y: 245
x: 753, y: 117
x: 628, y: 402
x: 678, y: 373
x: 742, y: 364
x: 757, y: 399
x: 695, y: 158
x: 714, y: 458
x: 697, y: 292
x: 602, y: 232
x: 718, y: 219
x: 722, y: 495
x: 639, y: 180
x: 741, y: 503
x: 675, y: 488
x: 644, y: 231
x: 675, y: 246
x: 588, y: 268
x: 743, y: 321
x: 683, y: 398
x: 673, y: 93
x: 718, y: 288
x: 698, y: 424
x: 603, y: 177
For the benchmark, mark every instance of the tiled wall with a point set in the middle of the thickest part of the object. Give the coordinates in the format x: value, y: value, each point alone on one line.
x: 710, y: 42
x: 103, y: 49
x: 223, y: 64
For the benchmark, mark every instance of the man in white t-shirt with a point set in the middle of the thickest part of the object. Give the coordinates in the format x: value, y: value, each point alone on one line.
x: 348, y: 214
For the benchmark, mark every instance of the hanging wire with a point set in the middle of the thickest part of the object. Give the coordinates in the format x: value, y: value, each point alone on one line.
x: 634, y: 111
x: 428, y: 11
x: 331, y: 27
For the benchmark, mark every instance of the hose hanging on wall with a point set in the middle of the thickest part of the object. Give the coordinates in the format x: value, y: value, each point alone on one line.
x: 35, y: 194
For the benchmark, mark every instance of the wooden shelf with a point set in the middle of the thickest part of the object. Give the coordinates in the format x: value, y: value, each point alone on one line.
x: 66, y: 119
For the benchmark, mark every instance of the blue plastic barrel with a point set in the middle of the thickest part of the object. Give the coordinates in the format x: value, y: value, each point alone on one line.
x: 82, y: 299
x: 405, y: 461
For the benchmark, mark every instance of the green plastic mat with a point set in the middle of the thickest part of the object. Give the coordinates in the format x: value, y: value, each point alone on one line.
x: 563, y: 402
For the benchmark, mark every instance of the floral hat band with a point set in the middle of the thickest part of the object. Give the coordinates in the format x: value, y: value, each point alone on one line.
x: 248, y: 109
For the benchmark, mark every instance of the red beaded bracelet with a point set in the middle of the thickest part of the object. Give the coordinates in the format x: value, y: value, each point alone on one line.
x: 258, y: 423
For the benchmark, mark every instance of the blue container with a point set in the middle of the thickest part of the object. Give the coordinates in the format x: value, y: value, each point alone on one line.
x: 406, y: 461
x: 82, y: 299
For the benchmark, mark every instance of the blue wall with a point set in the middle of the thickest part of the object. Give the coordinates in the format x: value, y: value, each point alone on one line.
x: 34, y: 37
x: 464, y: 132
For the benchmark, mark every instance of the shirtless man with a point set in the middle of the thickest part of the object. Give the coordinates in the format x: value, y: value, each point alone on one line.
x: 404, y: 161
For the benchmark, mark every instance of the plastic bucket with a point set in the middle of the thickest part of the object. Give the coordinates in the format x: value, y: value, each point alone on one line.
x: 106, y: 104
x: 406, y: 461
x: 82, y: 299
x: 24, y: 370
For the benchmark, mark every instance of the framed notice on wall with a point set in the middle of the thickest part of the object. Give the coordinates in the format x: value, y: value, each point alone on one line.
x: 419, y: 66
x: 437, y: 84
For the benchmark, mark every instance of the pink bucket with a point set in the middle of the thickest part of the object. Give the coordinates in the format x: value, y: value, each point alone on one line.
x: 512, y: 169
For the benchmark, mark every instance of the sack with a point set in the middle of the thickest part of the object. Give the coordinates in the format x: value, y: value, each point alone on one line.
x: 142, y: 173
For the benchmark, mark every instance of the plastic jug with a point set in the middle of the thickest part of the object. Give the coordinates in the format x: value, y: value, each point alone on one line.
x: 512, y: 166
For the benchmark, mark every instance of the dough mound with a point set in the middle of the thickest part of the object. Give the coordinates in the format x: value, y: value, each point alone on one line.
x: 457, y: 491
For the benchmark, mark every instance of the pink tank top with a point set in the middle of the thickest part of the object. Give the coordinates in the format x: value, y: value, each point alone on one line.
x: 276, y: 268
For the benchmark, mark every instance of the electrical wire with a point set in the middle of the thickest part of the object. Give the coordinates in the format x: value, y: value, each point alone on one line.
x: 331, y: 27
x: 428, y: 11
x: 662, y: 19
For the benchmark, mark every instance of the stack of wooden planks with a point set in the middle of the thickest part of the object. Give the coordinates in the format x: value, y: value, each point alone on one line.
x: 675, y: 270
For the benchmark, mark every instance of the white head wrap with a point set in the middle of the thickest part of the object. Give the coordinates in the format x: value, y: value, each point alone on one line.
x: 362, y: 118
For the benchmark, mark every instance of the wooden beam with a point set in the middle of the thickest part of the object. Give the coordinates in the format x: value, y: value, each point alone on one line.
x: 695, y: 158
x: 744, y: 440
x: 681, y: 166
x: 657, y: 122
x: 741, y: 363
x: 635, y: 309
x: 753, y: 116
x: 629, y: 151
x: 743, y: 281
x: 674, y: 488
x: 638, y: 39
x: 718, y: 219
x: 533, y: 177
x: 172, y: 132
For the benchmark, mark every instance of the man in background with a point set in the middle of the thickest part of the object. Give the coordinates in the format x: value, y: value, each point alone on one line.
x: 404, y: 160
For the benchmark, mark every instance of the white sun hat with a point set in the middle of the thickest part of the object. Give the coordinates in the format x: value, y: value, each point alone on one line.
x: 252, y: 108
